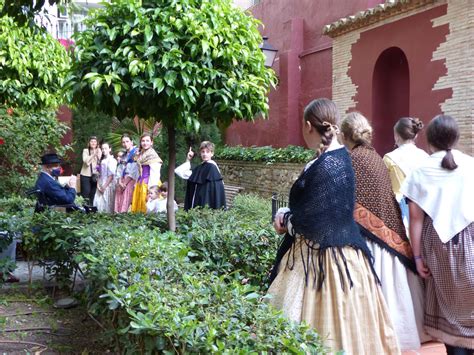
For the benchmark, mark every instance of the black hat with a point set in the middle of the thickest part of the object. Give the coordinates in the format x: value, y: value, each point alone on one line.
x: 51, y: 158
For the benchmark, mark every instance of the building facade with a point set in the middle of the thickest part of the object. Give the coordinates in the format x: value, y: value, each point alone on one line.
x: 63, y: 21
x: 386, y: 60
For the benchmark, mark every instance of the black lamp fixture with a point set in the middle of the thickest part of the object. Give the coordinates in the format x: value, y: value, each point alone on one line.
x: 269, y: 52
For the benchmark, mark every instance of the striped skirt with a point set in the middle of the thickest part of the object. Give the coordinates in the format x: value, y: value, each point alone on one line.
x: 123, y: 198
x: 354, y: 319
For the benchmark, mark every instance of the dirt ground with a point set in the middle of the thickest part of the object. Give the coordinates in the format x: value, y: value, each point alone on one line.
x: 30, y: 324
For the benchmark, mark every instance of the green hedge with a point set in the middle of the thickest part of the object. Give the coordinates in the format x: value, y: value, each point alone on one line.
x: 267, y: 154
x: 199, y: 290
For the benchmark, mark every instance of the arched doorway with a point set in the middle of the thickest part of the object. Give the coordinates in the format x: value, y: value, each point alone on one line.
x: 390, y: 96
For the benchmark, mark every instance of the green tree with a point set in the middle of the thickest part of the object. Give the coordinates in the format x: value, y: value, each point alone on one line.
x: 181, y: 62
x: 33, y: 67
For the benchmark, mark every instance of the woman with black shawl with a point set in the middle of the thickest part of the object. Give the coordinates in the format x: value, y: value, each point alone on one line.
x: 323, y: 274
x: 379, y: 217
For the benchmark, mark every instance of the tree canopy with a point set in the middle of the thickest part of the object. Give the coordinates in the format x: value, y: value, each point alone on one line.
x: 33, y: 66
x: 180, y: 62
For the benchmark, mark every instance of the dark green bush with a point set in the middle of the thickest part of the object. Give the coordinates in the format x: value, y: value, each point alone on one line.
x: 267, y: 154
x: 161, y: 292
x: 25, y: 136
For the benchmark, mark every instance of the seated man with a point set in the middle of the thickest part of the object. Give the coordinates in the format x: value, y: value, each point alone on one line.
x: 51, y: 192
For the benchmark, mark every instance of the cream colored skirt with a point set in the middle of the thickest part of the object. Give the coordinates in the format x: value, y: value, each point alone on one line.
x: 355, y: 320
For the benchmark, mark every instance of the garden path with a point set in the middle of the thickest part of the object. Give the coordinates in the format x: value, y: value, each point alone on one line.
x: 29, y: 323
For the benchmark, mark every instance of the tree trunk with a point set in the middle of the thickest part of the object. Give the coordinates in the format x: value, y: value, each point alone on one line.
x: 171, y: 166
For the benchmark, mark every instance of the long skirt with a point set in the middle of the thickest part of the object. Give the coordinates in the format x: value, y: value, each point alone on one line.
x: 104, y: 201
x: 403, y: 294
x: 354, y: 319
x: 139, y: 197
x: 123, y: 198
x: 449, y: 305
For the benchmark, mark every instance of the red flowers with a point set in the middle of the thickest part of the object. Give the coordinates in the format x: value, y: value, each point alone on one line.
x: 2, y: 141
x: 10, y: 111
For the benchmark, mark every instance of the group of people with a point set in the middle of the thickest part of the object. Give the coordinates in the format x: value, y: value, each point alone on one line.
x: 378, y: 253
x: 132, y: 182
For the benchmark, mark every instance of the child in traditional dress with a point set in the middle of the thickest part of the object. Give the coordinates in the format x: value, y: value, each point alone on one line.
x: 406, y: 158
x: 440, y: 194
x: 105, y: 193
x: 323, y: 274
x: 149, y: 164
x: 130, y: 174
x: 379, y: 218
x: 158, y: 199
x: 120, y: 166
x: 205, y: 186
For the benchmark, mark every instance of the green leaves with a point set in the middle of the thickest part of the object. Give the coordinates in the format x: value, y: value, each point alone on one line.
x: 268, y: 155
x: 173, y: 60
x: 26, y: 136
x: 33, y: 67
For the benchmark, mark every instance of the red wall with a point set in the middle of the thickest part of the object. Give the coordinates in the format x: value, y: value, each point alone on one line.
x: 303, y: 65
x: 64, y: 115
x: 417, y: 39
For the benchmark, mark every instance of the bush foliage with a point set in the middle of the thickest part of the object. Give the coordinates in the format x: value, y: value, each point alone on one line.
x: 267, y: 154
x: 25, y: 136
x: 199, y: 290
x: 33, y: 67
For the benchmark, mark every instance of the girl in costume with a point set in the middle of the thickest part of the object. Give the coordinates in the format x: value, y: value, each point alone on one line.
x: 105, y: 194
x: 149, y: 164
x: 406, y: 158
x: 127, y: 178
x: 379, y: 218
x: 323, y: 273
x: 90, y: 159
x: 440, y: 196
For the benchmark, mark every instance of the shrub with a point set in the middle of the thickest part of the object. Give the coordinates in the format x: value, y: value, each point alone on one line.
x: 184, y: 292
x: 25, y: 137
x: 267, y: 154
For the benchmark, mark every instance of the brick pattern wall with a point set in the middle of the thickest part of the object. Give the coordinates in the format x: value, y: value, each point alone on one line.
x: 458, y: 51
x: 260, y: 178
x: 343, y: 89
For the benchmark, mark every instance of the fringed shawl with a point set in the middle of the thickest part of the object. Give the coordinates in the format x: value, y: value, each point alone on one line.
x: 322, y: 206
x: 377, y: 211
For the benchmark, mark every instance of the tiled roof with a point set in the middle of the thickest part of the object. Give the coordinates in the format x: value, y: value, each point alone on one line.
x: 372, y: 15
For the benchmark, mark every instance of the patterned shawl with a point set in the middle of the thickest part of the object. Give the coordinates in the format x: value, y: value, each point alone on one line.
x: 147, y: 157
x: 377, y: 211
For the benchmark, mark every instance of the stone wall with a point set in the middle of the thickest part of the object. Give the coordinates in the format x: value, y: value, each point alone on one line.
x: 260, y: 178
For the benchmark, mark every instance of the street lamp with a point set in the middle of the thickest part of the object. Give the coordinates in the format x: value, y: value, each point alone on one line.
x: 268, y: 51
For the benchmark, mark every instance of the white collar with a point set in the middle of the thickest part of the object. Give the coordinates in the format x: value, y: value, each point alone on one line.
x: 445, y: 195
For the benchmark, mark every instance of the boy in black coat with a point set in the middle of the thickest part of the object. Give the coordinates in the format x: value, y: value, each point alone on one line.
x: 205, y: 186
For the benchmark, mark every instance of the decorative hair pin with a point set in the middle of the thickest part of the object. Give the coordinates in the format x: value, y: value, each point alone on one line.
x: 334, y: 128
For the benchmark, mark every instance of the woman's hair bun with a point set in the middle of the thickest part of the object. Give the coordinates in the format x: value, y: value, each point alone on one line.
x: 417, y: 125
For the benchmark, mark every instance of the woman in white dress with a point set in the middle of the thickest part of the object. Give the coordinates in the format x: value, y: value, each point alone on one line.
x: 105, y: 195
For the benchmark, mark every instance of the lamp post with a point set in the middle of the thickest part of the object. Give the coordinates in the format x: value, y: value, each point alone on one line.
x: 268, y: 51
